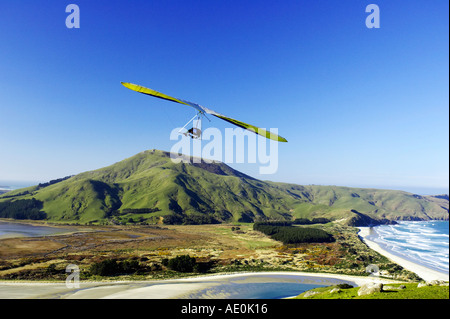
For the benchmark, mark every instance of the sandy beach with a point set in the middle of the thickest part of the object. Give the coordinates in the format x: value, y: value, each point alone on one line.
x: 422, y: 271
x: 165, y: 289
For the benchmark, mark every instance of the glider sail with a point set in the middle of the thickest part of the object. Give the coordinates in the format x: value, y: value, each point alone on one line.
x: 203, y: 110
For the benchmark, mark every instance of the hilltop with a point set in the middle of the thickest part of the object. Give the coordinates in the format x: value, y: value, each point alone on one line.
x: 149, y: 187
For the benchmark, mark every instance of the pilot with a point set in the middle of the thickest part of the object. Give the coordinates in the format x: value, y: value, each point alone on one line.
x: 194, y: 132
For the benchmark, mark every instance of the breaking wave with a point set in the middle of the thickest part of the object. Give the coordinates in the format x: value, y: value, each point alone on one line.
x: 423, y: 242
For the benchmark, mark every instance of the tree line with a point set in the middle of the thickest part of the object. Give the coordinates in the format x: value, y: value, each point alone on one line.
x: 139, y: 210
x: 53, y: 181
x: 306, y: 221
x: 114, y: 267
x: 186, y: 263
x: 194, y: 219
x: 288, y: 234
x: 23, y: 209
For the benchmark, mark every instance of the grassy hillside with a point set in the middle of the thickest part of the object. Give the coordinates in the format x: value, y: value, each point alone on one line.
x: 149, y: 187
x: 410, y: 291
x: 337, y: 202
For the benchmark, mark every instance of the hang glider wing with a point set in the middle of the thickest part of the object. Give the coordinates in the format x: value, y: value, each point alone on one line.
x: 204, y: 110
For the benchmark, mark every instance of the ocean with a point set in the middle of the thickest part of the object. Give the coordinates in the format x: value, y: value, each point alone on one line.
x: 11, y: 185
x: 422, y: 242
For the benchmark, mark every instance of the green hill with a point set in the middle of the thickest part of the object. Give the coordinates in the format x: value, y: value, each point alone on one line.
x: 149, y: 187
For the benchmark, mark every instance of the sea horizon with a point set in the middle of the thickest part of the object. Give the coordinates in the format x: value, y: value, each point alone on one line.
x: 424, y: 191
x: 12, y: 185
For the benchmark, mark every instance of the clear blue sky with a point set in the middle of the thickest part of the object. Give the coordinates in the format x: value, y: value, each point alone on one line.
x: 359, y: 107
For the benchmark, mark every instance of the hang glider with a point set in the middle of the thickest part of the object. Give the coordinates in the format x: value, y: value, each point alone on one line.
x: 195, y: 132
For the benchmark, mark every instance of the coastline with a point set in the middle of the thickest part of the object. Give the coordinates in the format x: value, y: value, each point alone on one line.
x: 202, y: 286
x: 422, y: 271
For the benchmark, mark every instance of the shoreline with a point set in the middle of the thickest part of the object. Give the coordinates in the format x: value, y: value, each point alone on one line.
x: 178, y: 288
x: 422, y: 271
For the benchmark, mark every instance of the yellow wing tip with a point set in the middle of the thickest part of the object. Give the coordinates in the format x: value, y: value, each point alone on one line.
x: 277, y: 138
x: 132, y: 86
x: 127, y: 84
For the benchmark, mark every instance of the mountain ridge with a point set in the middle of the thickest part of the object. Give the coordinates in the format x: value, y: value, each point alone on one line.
x: 150, y: 187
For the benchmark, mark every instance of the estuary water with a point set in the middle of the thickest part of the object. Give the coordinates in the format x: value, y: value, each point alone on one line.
x: 263, y: 286
x: 8, y: 229
x: 277, y: 289
x: 422, y: 242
